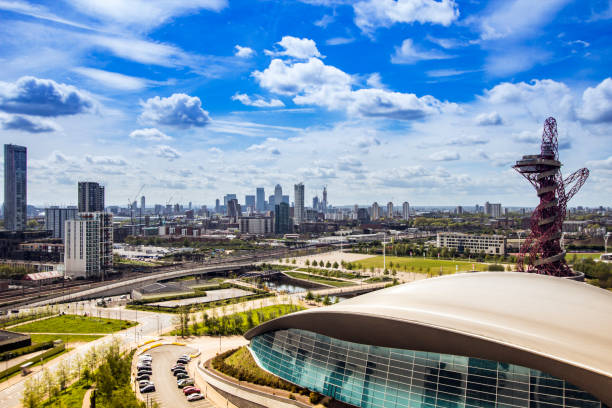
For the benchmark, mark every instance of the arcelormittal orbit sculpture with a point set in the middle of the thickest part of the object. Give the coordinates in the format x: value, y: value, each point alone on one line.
x: 542, y: 246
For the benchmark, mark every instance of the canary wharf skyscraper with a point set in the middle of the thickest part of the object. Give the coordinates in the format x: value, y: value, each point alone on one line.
x: 15, y: 187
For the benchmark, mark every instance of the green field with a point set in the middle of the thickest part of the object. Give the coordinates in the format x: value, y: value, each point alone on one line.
x: 66, y: 338
x: 581, y: 255
x: 322, y: 280
x: 74, y: 324
x: 71, y: 397
x: 419, y: 265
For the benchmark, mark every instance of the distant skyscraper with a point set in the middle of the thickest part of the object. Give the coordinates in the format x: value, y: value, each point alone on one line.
x: 375, y: 211
x: 15, y: 187
x: 286, y: 199
x: 260, y: 200
x: 298, y: 212
x: 143, y: 202
x: 233, y: 209
x: 55, y: 219
x: 459, y: 210
x: 324, y: 202
x: 91, y: 196
x: 493, y: 210
x: 389, y: 209
x: 281, y: 218
x: 217, y: 206
x: 249, y: 202
x: 271, y: 202
x: 406, y: 210
x: 227, y: 198
x: 278, y: 195
x: 315, y: 203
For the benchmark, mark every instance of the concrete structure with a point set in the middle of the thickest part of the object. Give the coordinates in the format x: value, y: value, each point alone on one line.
x: 324, y: 201
x: 489, y: 244
x: 405, y: 210
x: 15, y: 187
x: 89, y: 245
x: 375, y: 211
x: 55, y: 219
x: 233, y: 209
x: 298, y: 213
x: 486, y: 339
x: 493, y: 210
x: 281, y: 219
x: 260, y: 199
x: 91, y: 196
x: 11, y: 340
x: 256, y: 225
x: 389, y: 209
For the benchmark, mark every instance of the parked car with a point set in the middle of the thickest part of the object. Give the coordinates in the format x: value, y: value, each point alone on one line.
x: 191, y: 390
x: 147, y: 388
x: 144, y: 372
x: 143, y: 377
x: 183, y: 361
x: 145, y: 366
x: 188, y: 388
x: 185, y: 382
x: 179, y: 370
x: 144, y: 383
x: 195, y: 397
x: 180, y: 376
x: 176, y: 367
x: 186, y: 357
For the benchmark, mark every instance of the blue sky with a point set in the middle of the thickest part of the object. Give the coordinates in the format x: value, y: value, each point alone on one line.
x: 419, y: 100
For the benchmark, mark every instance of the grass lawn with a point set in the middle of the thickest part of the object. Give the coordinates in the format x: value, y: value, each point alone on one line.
x: 317, y: 279
x: 133, y: 262
x: 66, y: 338
x: 242, y: 360
x: 71, y: 397
x: 419, y: 264
x: 581, y: 255
x: 74, y: 324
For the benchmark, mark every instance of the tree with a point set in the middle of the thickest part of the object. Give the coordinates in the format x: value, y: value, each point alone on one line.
x: 335, y: 265
x: 328, y: 264
x: 32, y: 393
x: 309, y: 296
x: 327, y: 301
x: 293, y: 261
x: 307, y: 263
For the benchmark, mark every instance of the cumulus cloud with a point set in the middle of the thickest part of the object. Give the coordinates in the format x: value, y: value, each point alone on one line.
x: 371, y: 14
x: 149, y: 135
x: 489, y: 119
x: 527, y: 137
x: 349, y: 163
x: 366, y: 142
x: 43, y: 97
x: 179, y: 110
x: 243, y: 52
x: 258, y: 102
x: 105, y: 160
x: 597, y: 103
x: 26, y: 124
x: 468, y: 141
x: 314, y: 83
x: 166, y: 152
x: 444, y: 155
x: 301, y: 48
x: 408, y: 53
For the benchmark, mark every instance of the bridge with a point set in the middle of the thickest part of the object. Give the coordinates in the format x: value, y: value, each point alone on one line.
x: 261, y: 274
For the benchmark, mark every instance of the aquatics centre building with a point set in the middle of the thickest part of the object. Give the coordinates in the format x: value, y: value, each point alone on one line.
x: 490, y: 339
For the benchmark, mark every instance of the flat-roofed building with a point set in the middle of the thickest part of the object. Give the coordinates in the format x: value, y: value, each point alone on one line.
x: 489, y: 244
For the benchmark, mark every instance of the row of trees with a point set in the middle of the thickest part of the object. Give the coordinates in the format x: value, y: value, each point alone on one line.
x: 14, y: 272
x: 600, y: 273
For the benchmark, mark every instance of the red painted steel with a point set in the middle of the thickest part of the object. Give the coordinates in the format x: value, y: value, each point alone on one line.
x: 541, y: 252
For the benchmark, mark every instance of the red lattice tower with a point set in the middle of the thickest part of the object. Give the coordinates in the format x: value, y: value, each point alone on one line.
x: 542, y: 246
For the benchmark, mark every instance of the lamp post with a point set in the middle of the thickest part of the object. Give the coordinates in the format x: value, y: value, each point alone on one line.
x: 606, y: 237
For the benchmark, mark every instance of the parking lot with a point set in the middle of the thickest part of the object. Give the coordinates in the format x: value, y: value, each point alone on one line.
x: 167, y: 394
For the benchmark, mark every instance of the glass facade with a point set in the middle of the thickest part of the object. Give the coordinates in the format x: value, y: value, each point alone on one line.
x: 370, y: 376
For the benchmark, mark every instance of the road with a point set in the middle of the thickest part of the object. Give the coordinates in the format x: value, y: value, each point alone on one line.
x: 150, y: 325
x: 167, y: 394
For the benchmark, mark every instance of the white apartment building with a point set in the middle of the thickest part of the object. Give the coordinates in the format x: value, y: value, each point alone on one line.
x: 88, y: 245
x: 405, y: 210
x: 489, y: 244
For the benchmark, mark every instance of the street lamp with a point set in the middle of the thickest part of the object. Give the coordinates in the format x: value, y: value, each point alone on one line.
x: 606, y: 237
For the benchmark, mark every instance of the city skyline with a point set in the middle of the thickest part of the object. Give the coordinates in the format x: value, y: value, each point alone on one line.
x: 378, y: 102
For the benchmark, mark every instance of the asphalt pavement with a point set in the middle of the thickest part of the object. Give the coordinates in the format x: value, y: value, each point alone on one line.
x: 167, y: 394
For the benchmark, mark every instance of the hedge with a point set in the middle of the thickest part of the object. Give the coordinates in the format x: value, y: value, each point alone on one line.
x: 48, y: 353
x: 7, y: 355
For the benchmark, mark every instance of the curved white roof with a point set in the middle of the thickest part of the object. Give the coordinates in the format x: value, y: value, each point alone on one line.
x: 556, y: 325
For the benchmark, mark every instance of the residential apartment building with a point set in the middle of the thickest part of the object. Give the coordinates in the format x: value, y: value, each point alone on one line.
x: 298, y: 212
x: 281, y: 219
x: 15, y: 187
x: 88, y: 245
x: 91, y: 196
x: 55, y: 219
x: 489, y: 244
x: 256, y: 225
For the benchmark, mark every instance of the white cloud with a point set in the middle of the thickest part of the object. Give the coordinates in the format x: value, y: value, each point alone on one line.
x: 605, y: 164
x: 112, y: 79
x: 149, y: 135
x: 27, y: 124
x: 258, y: 102
x: 166, y: 152
x: 142, y: 51
x: 407, y: 53
x: 301, y: 48
x: 468, y: 141
x: 444, y: 155
x: 145, y: 14
x: 375, y: 81
x: 438, y: 73
x: 489, y: 119
x: 597, y: 103
x: 243, y: 52
x: 179, y: 110
x: 314, y: 83
x: 105, y: 160
x: 339, y: 40
x: 371, y: 14
x: 324, y: 21
x: 517, y: 18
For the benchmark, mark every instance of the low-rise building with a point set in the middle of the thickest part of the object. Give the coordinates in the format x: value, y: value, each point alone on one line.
x: 489, y: 244
x: 256, y: 225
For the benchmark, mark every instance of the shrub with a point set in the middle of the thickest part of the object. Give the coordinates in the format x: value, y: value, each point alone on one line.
x: 496, y: 268
x: 314, y: 397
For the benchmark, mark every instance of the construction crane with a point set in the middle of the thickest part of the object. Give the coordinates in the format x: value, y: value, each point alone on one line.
x: 131, y: 204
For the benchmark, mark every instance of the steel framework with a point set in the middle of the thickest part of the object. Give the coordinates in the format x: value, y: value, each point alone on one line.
x: 542, y: 246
